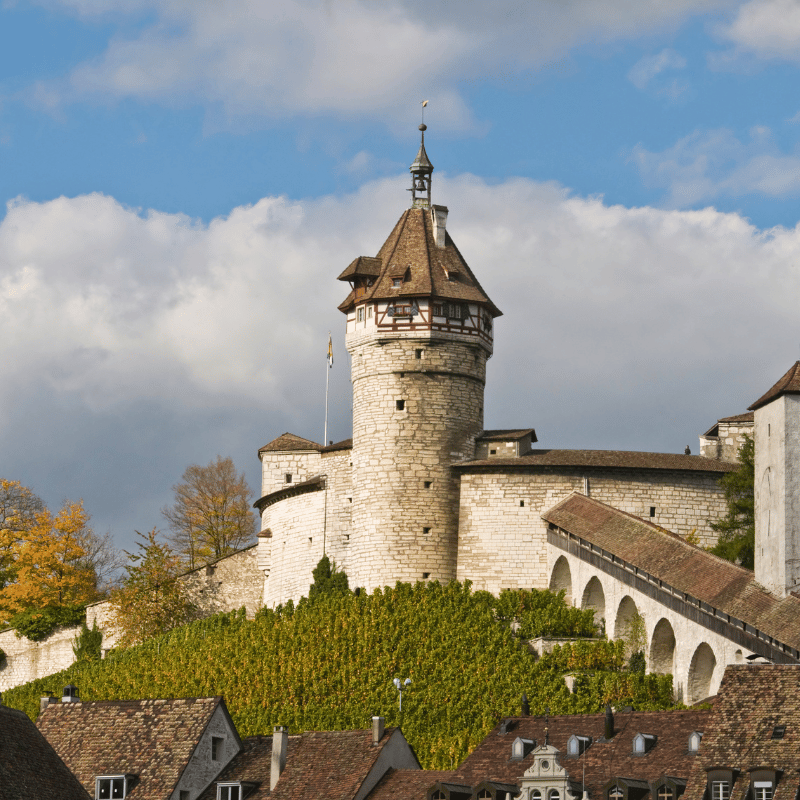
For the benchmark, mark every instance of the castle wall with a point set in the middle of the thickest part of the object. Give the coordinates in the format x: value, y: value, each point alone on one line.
x: 276, y: 465
x: 417, y: 407
x: 502, y: 540
x: 27, y: 660
x: 305, y: 526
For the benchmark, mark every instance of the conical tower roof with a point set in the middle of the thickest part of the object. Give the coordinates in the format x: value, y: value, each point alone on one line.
x: 422, y: 164
x: 411, y: 253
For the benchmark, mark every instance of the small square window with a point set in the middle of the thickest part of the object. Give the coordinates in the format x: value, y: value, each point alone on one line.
x: 310, y: 539
x: 418, y: 353
x: 216, y: 747
x: 110, y: 788
x: 397, y: 283
x: 427, y: 484
x: 493, y: 452
x: 287, y: 478
x: 360, y: 314
x: 425, y: 575
x: 778, y: 731
x: 652, y: 511
x: 400, y: 405
x: 369, y: 312
x: 426, y: 531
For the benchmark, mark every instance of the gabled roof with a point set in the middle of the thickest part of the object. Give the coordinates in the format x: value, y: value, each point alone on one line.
x: 788, y: 384
x: 751, y: 701
x: 737, y: 418
x: 288, y: 442
x: 406, y: 784
x: 689, y: 569
x: 603, y: 760
x: 153, y: 739
x: 613, y: 459
x: 411, y: 246
x: 331, y: 764
x: 500, y: 434
x: 29, y: 767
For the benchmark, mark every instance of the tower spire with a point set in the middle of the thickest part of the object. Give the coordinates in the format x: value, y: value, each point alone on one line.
x: 421, y: 171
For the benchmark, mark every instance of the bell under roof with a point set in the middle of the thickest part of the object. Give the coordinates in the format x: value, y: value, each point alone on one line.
x: 429, y: 270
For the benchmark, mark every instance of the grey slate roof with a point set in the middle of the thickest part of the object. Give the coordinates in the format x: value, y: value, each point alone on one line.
x: 30, y: 768
x: 718, y: 583
x: 789, y: 383
x: 613, y: 459
x: 411, y: 246
x: 153, y: 739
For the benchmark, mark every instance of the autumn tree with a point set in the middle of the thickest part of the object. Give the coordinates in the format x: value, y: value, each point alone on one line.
x: 18, y: 509
x: 737, y: 530
x: 150, y: 599
x: 212, y: 514
x: 53, y: 575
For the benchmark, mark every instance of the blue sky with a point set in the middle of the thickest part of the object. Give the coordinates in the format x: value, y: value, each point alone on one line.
x: 184, y: 181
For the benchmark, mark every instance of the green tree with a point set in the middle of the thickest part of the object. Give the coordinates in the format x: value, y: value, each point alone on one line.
x: 88, y: 643
x: 328, y: 580
x: 737, y: 530
x: 150, y: 600
x: 212, y: 514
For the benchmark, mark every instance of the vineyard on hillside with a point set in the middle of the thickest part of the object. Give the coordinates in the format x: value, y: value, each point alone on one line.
x: 329, y: 664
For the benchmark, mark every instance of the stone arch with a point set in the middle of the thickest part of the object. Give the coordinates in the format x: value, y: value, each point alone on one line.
x: 624, y: 628
x: 562, y: 578
x: 662, y: 648
x: 595, y: 598
x: 701, y: 671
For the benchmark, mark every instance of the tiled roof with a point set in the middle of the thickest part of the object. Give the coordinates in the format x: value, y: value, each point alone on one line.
x: 720, y: 584
x: 29, y: 767
x: 345, y: 444
x: 751, y: 701
x: 788, y: 384
x: 406, y: 784
x: 614, y: 459
x: 746, y: 417
x: 288, y: 441
x: 290, y: 490
x: 153, y: 739
x: 252, y: 765
x: 499, y: 434
x: 603, y: 760
x: 411, y: 246
x: 330, y: 764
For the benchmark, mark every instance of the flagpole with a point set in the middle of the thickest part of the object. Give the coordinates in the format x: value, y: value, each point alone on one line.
x: 328, y: 365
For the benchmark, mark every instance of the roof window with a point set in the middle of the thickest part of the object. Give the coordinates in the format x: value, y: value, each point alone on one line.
x: 577, y: 745
x: 643, y: 743
x: 521, y: 747
x: 778, y: 731
x: 694, y: 741
x: 109, y: 787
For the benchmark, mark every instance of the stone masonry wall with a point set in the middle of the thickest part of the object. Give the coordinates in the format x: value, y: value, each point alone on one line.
x: 276, y: 465
x: 503, y: 540
x: 305, y: 526
x: 28, y: 660
x: 417, y: 408
x: 725, y: 446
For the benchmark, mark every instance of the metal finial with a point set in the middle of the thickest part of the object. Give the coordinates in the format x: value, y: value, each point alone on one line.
x: 423, y: 127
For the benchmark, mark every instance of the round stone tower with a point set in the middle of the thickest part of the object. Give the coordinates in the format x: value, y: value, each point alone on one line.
x: 419, y: 332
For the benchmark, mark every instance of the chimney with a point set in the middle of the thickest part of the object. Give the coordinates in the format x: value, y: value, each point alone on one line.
x: 608, y: 728
x: 378, y: 729
x: 70, y: 694
x: 280, y: 739
x: 45, y: 700
x: 439, y: 214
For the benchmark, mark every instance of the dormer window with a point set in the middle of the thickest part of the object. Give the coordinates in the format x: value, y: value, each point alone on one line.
x: 694, y: 741
x: 229, y: 791
x: 110, y: 787
x: 521, y: 747
x: 643, y: 743
x: 397, y: 283
x: 577, y: 745
x: 720, y: 782
x: 616, y: 792
x: 762, y: 783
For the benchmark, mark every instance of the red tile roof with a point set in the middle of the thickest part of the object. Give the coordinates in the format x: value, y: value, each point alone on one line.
x: 788, y: 384
x: 720, y: 584
x: 29, y: 767
x: 406, y: 784
x: 603, y: 760
x: 613, y: 459
x: 153, y: 739
x: 411, y: 246
x: 751, y: 701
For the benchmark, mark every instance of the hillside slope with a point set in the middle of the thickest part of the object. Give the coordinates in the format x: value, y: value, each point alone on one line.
x: 329, y: 665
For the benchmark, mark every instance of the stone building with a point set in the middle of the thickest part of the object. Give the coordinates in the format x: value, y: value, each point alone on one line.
x: 422, y: 491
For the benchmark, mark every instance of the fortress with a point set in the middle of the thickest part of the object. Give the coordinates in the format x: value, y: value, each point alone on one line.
x: 424, y: 492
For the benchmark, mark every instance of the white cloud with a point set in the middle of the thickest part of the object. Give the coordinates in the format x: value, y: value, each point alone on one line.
x: 767, y: 29
x: 270, y: 59
x: 710, y: 164
x: 648, y: 67
x: 137, y: 343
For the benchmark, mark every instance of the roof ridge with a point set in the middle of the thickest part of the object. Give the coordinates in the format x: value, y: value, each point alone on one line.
x: 788, y: 383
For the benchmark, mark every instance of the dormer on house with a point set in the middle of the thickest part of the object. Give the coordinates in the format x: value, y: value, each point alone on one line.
x: 545, y: 778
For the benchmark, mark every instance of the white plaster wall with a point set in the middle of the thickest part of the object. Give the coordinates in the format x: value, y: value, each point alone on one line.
x: 689, y: 635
